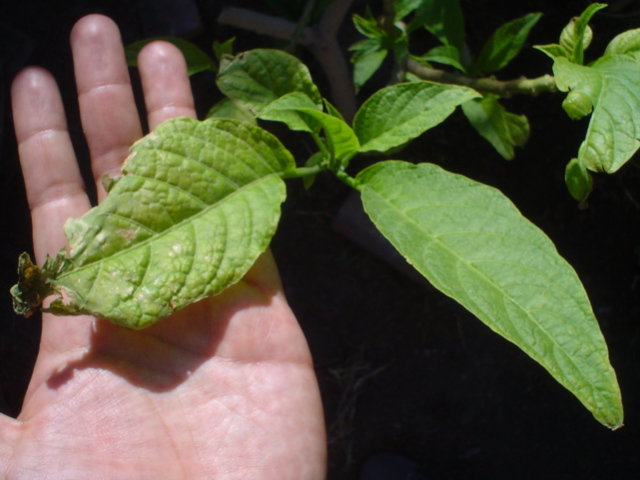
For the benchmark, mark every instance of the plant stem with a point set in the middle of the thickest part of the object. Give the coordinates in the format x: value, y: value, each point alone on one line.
x: 319, y: 143
x: 302, y: 23
x: 525, y: 86
x: 303, y: 171
x: 344, y: 177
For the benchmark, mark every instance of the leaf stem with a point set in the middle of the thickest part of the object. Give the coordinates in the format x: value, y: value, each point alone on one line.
x: 344, y: 177
x: 303, y: 171
x: 320, y: 144
x: 526, y: 86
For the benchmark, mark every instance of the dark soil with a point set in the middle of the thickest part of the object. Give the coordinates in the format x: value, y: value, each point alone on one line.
x: 402, y: 368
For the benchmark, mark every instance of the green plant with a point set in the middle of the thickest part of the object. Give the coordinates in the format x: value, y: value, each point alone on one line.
x: 606, y: 88
x: 199, y: 201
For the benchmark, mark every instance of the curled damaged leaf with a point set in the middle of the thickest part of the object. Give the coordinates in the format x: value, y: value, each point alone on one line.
x: 609, y: 85
x: 577, y: 35
x: 196, y: 205
x: 32, y: 288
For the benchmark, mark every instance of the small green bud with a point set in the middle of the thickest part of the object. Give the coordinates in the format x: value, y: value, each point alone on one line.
x: 577, y: 105
x: 579, y: 181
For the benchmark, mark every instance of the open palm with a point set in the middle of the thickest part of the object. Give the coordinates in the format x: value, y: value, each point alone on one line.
x: 223, y: 389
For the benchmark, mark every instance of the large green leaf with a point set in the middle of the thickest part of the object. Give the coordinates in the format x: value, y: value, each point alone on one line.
x: 394, y: 115
x: 505, y: 43
x: 473, y: 244
x: 196, y: 205
x: 611, y: 86
x: 255, y: 78
x: 502, y: 129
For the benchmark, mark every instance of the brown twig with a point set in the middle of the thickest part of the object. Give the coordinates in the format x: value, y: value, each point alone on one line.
x: 525, y: 86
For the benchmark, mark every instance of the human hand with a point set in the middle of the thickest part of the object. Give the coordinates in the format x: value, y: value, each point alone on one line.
x: 222, y: 389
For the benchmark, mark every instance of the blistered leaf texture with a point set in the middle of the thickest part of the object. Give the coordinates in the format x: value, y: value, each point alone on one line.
x: 611, y: 85
x: 196, y: 204
x: 473, y: 245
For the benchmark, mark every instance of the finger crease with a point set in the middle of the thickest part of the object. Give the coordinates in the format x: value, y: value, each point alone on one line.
x: 56, y: 193
x: 40, y: 133
x: 103, y: 86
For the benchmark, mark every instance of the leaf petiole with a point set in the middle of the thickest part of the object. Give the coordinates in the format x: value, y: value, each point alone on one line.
x: 303, y: 171
x: 344, y: 177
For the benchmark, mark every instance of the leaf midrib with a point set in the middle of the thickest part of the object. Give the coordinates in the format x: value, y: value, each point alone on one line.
x: 158, y: 235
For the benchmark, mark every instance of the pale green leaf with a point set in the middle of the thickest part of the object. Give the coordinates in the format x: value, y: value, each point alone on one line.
x: 196, y: 205
x: 444, y: 54
x: 577, y: 35
x: 505, y: 43
x: 331, y: 110
x: 197, y: 60
x: 627, y: 43
x: 227, y: 108
x: 221, y: 49
x: 342, y: 141
x: 472, y: 244
x: 367, y: 26
x: 552, y: 50
x: 611, y: 84
x: 367, y: 57
x: 281, y: 108
x: 256, y: 78
x: 500, y: 128
x: 394, y: 115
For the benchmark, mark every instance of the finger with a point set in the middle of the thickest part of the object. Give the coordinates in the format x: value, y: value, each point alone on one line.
x: 107, y: 107
x: 165, y: 83
x: 55, y: 191
x: 53, y: 183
